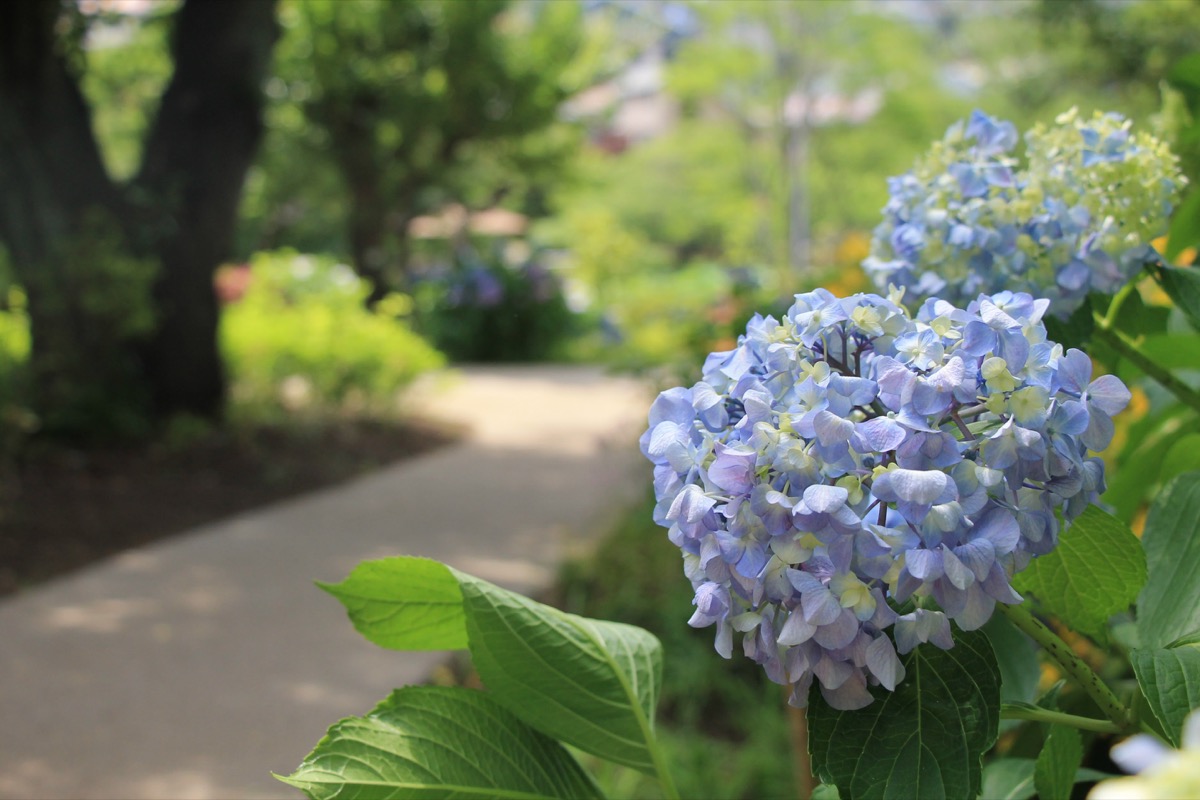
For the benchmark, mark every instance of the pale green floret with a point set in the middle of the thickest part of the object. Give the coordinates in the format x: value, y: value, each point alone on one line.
x: 995, y: 372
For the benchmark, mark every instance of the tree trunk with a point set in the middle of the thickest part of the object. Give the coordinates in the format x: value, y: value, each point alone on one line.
x: 197, y: 153
x: 368, y: 238
x: 121, y: 301
x: 59, y: 219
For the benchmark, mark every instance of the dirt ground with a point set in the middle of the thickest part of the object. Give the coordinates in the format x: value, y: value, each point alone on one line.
x: 61, y: 509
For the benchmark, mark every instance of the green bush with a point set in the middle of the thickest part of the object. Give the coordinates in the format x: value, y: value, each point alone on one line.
x: 299, y: 336
x: 487, y: 311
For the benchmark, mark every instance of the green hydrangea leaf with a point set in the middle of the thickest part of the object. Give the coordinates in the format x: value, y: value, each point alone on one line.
x: 404, y: 603
x: 590, y: 683
x: 1097, y: 570
x: 926, y: 739
x: 1169, y: 605
x: 1182, y: 284
x: 430, y: 742
x: 1054, y: 773
x: 1170, y: 680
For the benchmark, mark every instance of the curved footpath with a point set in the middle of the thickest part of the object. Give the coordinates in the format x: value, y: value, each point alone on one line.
x: 195, y: 667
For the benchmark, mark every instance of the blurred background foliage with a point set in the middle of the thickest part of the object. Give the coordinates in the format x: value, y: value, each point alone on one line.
x: 604, y: 180
x: 675, y: 166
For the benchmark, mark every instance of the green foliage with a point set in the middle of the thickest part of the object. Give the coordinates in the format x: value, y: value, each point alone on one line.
x: 926, y: 739
x: 1182, y: 284
x: 424, y: 612
x: 127, y: 66
x: 402, y: 108
x: 592, y: 684
x: 1169, y: 605
x: 589, y: 683
x: 1096, y: 571
x: 301, y: 336
x: 1170, y: 679
x: 1054, y: 772
x: 430, y: 742
x: 1141, y: 469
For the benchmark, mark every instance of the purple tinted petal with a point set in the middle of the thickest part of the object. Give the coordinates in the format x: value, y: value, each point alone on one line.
x: 796, y: 630
x: 824, y: 499
x: 1074, y: 371
x: 839, y: 633
x: 881, y: 434
x: 820, y: 606
x: 851, y: 695
x: 883, y: 662
x: 673, y: 405
x: 733, y: 468
x: 1070, y: 418
x: 1000, y: 528
x: 978, y: 609
x: 832, y: 673
x: 832, y: 429
x: 1099, y: 431
x: 916, y: 486
x: 1109, y: 394
x: 924, y: 564
x: 978, y: 556
x: 956, y: 572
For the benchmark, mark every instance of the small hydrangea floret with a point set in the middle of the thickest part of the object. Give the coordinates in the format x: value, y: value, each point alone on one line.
x: 1077, y: 218
x: 851, y: 469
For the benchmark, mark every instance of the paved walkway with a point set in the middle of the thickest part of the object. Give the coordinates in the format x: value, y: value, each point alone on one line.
x: 195, y: 667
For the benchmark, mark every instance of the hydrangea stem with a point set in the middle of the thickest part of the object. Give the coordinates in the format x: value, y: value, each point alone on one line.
x: 1038, y: 714
x: 1070, y: 663
x: 801, y: 761
x: 1127, y: 348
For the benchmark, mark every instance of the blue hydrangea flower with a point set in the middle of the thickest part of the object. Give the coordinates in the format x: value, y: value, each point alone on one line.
x: 850, y: 457
x: 1078, y: 217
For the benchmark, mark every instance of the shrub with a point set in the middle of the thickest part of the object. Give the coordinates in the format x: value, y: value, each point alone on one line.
x: 300, y: 336
x: 488, y: 311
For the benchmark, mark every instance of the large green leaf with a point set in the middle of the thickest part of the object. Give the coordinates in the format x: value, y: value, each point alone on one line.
x: 592, y: 684
x: 1169, y: 605
x: 923, y: 740
x: 1054, y: 773
x: 1170, y: 680
x: 404, y: 603
x: 1140, y: 461
x: 1097, y: 570
x: 1185, y: 227
x: 1183, y: 283
x: 589, y: 683
x: 434, y: 742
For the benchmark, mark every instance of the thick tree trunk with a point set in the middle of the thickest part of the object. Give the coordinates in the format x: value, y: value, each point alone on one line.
x: 59, y: 220
x: 201, y: 145
x: 87, y: 250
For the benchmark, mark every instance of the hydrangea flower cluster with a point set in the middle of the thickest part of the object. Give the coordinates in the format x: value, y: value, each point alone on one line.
x: 850, y: 458
x: 1077, y: 219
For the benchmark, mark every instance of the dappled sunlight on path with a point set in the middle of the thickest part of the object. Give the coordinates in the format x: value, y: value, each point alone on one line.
x: 198, y: 665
